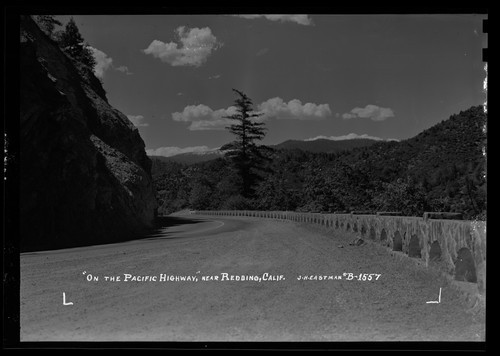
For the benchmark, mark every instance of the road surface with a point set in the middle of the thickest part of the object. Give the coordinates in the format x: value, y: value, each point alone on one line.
x: 278, y: 308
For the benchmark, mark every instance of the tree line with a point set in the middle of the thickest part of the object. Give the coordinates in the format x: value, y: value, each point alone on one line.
x: 441, y: 169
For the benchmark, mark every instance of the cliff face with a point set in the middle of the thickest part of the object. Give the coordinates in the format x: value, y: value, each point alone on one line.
x: 84, y: 177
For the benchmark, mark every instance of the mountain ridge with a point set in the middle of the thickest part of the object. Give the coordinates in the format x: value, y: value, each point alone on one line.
x: 443, y: 168
x: 323, y: 145
x: 316, y: 146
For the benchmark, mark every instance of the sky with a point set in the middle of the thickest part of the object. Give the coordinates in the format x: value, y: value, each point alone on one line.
x: 311, y: 76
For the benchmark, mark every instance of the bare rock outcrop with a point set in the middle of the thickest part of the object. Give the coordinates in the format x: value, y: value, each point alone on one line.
x: 84, y: 174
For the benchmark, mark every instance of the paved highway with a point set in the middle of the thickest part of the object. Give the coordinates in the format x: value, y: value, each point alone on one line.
x: 202, y: 278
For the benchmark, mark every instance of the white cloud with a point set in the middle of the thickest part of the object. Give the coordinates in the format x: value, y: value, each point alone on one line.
x: 217, y: 76
x: 203, y: 117
x: 294, y: 109
x: 196, y: 46
x: 351, y: 136
x: 172, y: 151
x: 137, y: 120
x: 124, y: 69
x: 103, y: 62
x: 372, y: 112
x: 300, y: 19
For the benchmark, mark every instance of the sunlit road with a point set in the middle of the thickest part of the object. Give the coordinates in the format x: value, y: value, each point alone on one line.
x: 280, y: 308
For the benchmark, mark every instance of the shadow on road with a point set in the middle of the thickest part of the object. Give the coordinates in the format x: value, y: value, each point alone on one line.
x: 162, y: 223
x: 169, y: 221
x: 158, y: 230
x: 161, y: 229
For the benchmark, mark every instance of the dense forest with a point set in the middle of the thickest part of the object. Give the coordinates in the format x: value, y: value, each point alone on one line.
x: 441, y: 169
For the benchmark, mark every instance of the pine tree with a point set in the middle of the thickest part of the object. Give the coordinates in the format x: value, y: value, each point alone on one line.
x: 72, y: 42
x: 247, y: 157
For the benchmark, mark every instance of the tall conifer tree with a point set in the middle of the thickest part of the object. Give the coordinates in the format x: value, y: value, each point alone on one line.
x: 247, y: 157
x: 72, y: 42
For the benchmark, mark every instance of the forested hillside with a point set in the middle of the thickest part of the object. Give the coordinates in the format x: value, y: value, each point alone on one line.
x: 441, y: 169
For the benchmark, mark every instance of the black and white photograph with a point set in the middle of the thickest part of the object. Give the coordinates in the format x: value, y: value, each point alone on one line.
x: 257, y: 178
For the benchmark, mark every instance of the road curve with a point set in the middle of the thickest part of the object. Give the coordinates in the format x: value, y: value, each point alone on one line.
x: 279, y: 307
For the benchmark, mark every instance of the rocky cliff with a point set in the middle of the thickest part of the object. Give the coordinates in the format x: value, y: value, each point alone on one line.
x: 84, y: 174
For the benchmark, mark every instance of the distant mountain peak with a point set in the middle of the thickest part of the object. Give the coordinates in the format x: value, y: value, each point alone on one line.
x: 351, y: 136
x: 191, y: 157
x: 326, y: 145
